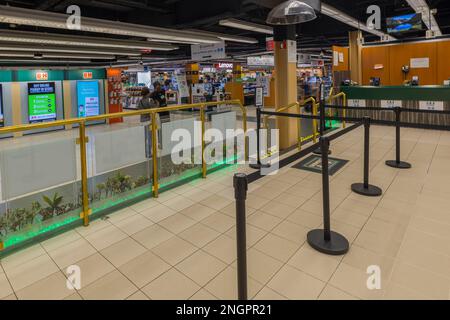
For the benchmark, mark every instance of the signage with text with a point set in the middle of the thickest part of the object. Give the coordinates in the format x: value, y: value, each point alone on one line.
x: 201, y: 52
x: 261, y: 61
x: 41, y: 101
x: 87, y: 75
x: 431, y: 105
x: 356, y: 103
x: 391, y: 103
x: 88, y: 98
x: 224, y: 65
x: 2, y: 118
x: 40, y: 76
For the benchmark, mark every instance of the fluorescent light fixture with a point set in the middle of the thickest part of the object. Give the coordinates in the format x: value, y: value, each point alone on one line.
x: 70, y: 40
x: 41, y: 61
x: 8, y: 46
x: 244, y: 25
x: 228, y: 37
x: 291, y: 12
x: 24, y: 54
x: 345, y: 18
x: 421, y: 6
x: 45, y: 19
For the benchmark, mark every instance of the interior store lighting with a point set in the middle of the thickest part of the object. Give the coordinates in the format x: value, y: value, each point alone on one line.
x: 228, y: 37
x: 291, y: 12
x: 45, y: 19
x: 17, y: 54
x: 70, y: 40
x: 244, y: 25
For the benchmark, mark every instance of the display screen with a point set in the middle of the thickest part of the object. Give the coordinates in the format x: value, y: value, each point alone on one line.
x: 41, y: 101
x: 405, y: 23
x: 88, y: 99
x: 2, y: 118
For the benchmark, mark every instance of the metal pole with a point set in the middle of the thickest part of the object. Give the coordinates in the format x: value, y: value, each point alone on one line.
x: 258, y: 164
x: 240, y: 193
x: 84, y: 175
x: 365, y: 188
x: 202, y: 118
x: 155, y: 156
x: 324, y: 240
x: 397, y: 163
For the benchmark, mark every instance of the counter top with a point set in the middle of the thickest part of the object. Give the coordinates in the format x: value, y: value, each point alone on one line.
x: 411, y: 93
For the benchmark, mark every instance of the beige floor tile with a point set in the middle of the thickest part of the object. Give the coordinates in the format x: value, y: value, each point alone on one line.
x: 166, y: 196
x: 158, y: 213
x: 93, y: 268
x: 177, y: 223
x: 10, y: 297
x: 361, y: 259
x: 332, y: 293
x: 290, y: 200
x: 378, y: 243
x: 113, y: 286
x: 144, y: 205
x: 197, y: 195
x: 144, y: 269
x: 72, y: 253
x: 139, y: 295
x: 305, y: 219
x: 263, y: 220
x: 54, y: 287
x: 256, y: 201
x: 314, y: 263
x: 260, y: 266
x: 216, y: 202
x: 230, y: 210
x: 121, y: 215
x: 106, y: 237
x: 291, y: 231
x: 201, y: 267
x: 12, y: 261
x: 349, y: 217
x: 123, y: 251
x: 354, y: 282
x: 202, y: 294
x: 171, y: 285
x: 219, y: 222
x: 398, y: 292
x: 152, y: 236
x: 253, y: 234
x: 198, y: 212
x: 5, y: 287
x: 268, y: 294
x: 178, y: 203
x: 60, y: 240
x: 277, y: 209
x: 224, y: 286
x: 74, y: 296
x: 277, y: 247
x: 421, y: 280
x: 93, y: 228
x: 223, y: 248
x: 174, y: 250
x: 295, y: 284
x: 199, y: 235
x: 133, y: 224
x: 31, y: 271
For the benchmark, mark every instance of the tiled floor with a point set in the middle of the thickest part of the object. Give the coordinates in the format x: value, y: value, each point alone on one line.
x: 182, y: 245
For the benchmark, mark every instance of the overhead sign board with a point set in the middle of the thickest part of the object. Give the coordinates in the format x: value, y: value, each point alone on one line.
x: 40, y: 76
x: 41, y: 101
x: 202, y: 52
x: 268, y: 61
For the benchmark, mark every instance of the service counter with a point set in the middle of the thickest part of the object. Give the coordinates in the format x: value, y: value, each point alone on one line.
x: 410, y: 97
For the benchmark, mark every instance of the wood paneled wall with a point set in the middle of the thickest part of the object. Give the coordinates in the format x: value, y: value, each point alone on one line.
x: 342, y: 66
x: 393, y: 57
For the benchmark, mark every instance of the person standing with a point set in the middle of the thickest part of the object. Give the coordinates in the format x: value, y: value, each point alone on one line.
x: 159, y: 95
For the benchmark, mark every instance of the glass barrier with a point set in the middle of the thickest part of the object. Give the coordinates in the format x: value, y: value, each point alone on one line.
x: 40, y: 186
x: 119, y: 165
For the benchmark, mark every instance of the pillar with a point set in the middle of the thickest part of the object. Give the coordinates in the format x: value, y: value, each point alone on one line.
x: 237, y: 72
x: 355, y: 56
x: 16, y: 107
x: 67, y: 98
x: 192, y: 76
x: 286, y: 82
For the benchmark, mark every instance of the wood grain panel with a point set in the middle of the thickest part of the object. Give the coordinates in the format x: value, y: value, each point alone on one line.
x: 443, y: 57
x: 372, y: 56
x: 342, y: 66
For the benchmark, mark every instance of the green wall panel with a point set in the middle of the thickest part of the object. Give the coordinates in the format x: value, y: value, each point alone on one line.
x: 421, y: 93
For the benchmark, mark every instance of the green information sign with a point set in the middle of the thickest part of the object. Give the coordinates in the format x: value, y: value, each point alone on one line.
x: 41, y: 101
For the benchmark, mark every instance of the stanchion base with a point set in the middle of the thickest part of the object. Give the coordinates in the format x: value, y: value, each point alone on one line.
x: 319, y: 151
x: 398, y: 165
x: 337, y: 246
x: 258, y: 166
x: 371, y: 191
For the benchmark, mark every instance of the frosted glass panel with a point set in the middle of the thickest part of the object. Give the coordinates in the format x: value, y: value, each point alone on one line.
x: 118, y: 148
x: 224, y: 121
x: 187, y: 124
x: 37, y: 166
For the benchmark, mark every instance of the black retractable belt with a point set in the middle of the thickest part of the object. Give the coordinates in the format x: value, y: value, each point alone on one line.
x: 365, y: 188
x: 240, y: 193
x: 397, y: 163
x: 318, y: 151
x: 258, y: 165
x: 325, y: 240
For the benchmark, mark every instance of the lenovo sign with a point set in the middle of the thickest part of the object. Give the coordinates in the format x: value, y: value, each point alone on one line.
x: 224, y: 65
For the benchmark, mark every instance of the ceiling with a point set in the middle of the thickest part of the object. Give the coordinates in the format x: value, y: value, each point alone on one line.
x: 319, y: 34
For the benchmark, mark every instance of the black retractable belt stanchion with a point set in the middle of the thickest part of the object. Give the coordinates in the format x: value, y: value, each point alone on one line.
x: 327, y: 241
x: 321, y: 127
x: 397, y: 163
x: 365, y: 188
x: 258, y: 164
x: 240, y: 194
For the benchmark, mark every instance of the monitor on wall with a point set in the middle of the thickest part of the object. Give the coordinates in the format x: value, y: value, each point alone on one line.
x: 41, y: 102
x: 88, y: 99
x: 404, y: 23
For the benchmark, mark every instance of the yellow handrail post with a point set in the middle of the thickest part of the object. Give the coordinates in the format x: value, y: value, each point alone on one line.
x: 202, y: 119
x: 344, y: 111
x: 314, y: 112
x: 244, y: 127
x: 84, y: 176
x: 155, y: 156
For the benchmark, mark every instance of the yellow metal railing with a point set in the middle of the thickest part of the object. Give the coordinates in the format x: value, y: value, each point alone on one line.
x: 83, y: 140
x: 334, y: 97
